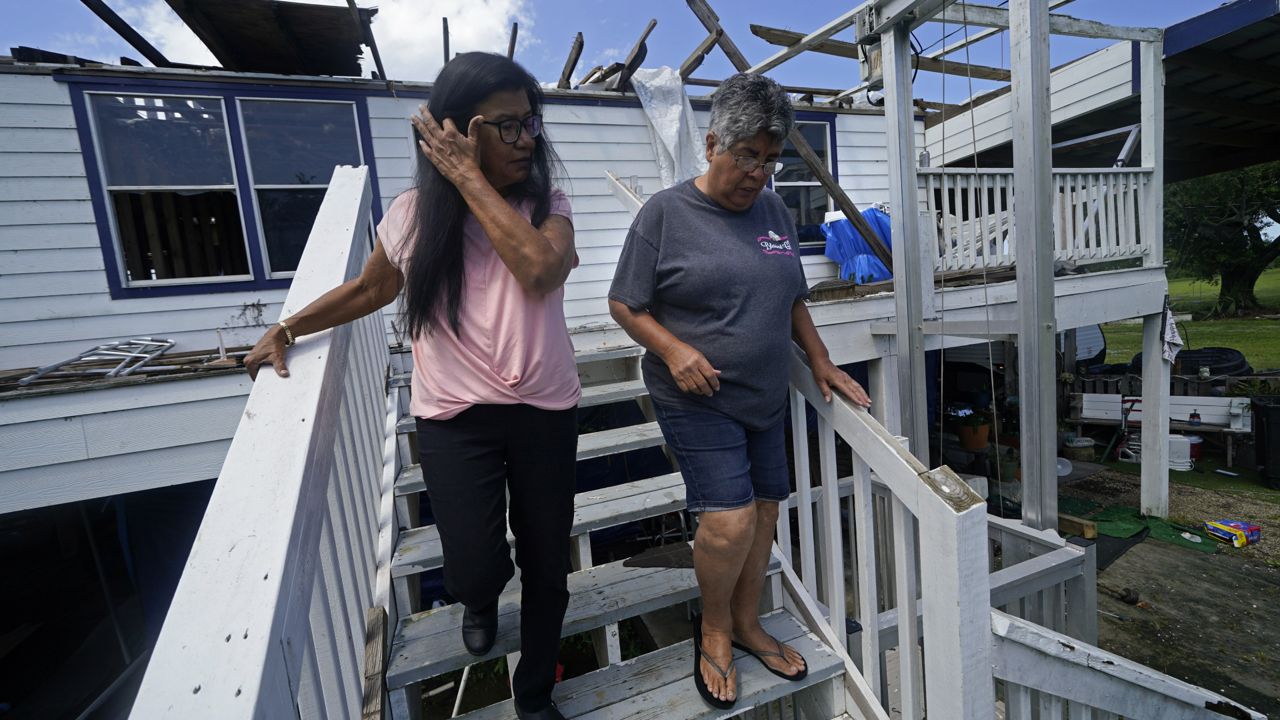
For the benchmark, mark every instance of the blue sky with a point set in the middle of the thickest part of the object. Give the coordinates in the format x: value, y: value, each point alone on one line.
x: 408, y: 33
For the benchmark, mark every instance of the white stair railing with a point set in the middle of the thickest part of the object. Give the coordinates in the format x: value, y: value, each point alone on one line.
x: 269, y: 618
x: 937, y: 529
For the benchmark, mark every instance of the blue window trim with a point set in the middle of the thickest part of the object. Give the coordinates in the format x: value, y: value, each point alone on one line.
x: 830, y: 119
x: 78, y: 85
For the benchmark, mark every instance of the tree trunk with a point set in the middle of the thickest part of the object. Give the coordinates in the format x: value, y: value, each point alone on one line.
x: 1235, y: 294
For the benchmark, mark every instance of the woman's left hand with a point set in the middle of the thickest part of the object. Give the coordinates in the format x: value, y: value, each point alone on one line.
x: 830, y: 377
x: 455, y: 155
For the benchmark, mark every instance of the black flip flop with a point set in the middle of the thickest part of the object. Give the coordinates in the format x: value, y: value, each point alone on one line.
x: 761, y: 654
x: 698, y: 682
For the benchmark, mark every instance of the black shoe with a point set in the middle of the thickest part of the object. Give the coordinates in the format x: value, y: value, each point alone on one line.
x: 550, y: 712
x: 480, y: 629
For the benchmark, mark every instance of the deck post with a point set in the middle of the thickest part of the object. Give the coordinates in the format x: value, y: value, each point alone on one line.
x: 1033, y: 223
x: 903, y: 194
x: 1155, y: 369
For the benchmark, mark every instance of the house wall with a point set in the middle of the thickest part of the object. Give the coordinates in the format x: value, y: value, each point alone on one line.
x: 1092, y: 82
x: 54, y: 301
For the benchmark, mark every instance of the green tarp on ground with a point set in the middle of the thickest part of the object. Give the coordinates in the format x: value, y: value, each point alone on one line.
x: 1124, y: 522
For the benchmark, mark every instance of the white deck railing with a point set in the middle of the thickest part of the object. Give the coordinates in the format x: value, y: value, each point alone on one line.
x: 1001, y: 610
x: 269, y: 619
x: 1096, y: 215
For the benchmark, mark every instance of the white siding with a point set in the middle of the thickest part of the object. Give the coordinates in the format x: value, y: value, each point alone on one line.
x: 1095, y: 81
x: 74, y: 446
x: 594, y: 139
x: 53, y: 288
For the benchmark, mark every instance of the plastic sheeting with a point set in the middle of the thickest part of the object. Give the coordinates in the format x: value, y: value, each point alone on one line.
x: 847, y: 248
x: 677, y: 142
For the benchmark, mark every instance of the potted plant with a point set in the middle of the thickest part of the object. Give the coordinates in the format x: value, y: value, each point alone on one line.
x: 974, y: 428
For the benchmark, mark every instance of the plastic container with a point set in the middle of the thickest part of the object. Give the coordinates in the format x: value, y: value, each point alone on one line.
x: 1266, y: 437
x: 1196, y: 443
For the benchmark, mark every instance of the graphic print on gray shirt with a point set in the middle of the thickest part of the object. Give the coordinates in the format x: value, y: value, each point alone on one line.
x: 724, y: 283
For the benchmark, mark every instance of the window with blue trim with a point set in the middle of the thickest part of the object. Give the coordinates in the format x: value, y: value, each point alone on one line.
x: 800, y: 189
x: 179, y: 209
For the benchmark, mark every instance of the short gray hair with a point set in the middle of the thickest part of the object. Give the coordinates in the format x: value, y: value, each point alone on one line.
x: 744, y: 105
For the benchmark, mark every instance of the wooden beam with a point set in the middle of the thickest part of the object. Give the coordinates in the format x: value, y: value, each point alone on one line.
x: 126, y: 31
x: 699, y: 53
x: 375, y: 652
x: 711, y: 22
x: 797, y: 89
x: 981, y: 35
x: 1072, y: 525
x: 1033, y: 216
x: 992, y: 17
x: 634, y: 58
x: 571, y: 62
x: 1226, y: 64
x: 839, y: 48
x: 807, y: 42
x: 445, y: 23
x: 511, y: 45
x: 366, y: 33
x: 1105, y: 137
x: 1154, y: 493
x: 1222, y: 106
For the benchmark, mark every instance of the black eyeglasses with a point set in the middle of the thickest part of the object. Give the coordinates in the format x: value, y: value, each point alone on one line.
x: 747, y: 164
x: 509, y: 130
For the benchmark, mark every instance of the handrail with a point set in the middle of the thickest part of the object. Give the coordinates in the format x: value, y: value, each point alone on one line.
x: 1030, y: 657
x: 268, y: 618
x: 932, y: 507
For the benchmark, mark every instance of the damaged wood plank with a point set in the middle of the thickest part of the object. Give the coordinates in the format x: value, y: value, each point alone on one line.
x: 699, y: 53
x: 571, y: 62
x: 634, y: 58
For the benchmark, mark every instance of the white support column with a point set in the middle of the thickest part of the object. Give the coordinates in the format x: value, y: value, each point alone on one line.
x: 882, y: 381
x: 1155, y: 370
x: 904, y: 198
x: 1033, y: 228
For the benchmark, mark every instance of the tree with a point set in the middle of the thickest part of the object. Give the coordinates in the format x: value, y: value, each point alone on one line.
x: 1216, y: 229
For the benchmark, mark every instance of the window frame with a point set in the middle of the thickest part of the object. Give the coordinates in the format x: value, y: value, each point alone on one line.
x: 254, y: 187
x: 809, y: 117
x: 113, y: 223
x: 79, y: 84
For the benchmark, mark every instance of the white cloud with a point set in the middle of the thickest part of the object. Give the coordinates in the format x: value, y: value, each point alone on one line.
x: 408, y: 32
x: 162, y: 27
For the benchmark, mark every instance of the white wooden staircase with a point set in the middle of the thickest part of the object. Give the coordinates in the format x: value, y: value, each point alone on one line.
x: 903, y: 595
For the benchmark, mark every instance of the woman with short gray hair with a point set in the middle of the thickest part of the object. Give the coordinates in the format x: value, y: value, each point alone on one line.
x: 710, y: 283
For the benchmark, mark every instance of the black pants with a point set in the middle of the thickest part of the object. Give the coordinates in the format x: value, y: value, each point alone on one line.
x: 470, y: 463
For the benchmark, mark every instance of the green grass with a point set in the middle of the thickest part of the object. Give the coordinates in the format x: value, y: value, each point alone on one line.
x: 1258, y: 339
x: 1198, y: 296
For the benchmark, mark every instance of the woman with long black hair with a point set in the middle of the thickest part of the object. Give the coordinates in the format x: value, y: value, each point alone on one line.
x: 482, y: 245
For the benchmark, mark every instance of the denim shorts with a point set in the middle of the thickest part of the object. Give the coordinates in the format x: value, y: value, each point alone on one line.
x: 725, y: 465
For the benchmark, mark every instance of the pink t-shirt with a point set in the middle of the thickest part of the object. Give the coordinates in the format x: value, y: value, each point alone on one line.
x: 512, y: 346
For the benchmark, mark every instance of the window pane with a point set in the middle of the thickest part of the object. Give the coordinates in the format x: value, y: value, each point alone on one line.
x: 287, y: 216
x: 793, y: 167
x: 180, y: 234
x: 296, y: 143
x: 162, y: 141
x: 808, y: 205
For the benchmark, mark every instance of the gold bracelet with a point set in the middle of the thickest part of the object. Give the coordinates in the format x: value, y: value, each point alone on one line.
x: 288, y: 334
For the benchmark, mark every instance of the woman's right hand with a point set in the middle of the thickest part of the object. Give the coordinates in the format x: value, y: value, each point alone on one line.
x: 268, y: 351
x: 691, y: 371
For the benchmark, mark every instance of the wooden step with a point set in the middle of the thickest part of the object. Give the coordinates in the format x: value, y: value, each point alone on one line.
x: 590, y: 445
x: 419, y: 549
x: 660, y: 684
x: 618, y: 440
x: 612, y: 392
x: 429, y: 643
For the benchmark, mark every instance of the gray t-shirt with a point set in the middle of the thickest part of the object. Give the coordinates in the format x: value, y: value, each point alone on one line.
x: 724, y: 282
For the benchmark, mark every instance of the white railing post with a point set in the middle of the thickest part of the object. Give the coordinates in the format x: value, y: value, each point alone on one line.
x: 957, y: 599
x: 268, y: 618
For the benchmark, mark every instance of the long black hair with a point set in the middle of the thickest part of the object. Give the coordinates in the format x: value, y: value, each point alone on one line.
x: 433, y: 283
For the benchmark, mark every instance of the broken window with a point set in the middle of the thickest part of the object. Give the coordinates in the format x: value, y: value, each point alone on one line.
x: 170, y: 185
x: 800, y: 190
x: 292, y: 148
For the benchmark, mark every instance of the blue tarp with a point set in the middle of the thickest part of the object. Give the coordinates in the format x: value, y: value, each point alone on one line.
x: 847, y: 248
